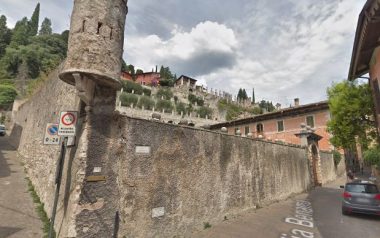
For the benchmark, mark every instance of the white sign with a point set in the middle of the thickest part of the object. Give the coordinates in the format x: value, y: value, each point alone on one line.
x: 158, y: 212
x: 141, y: 149
x: 67, y: 122
x: 51, y: 134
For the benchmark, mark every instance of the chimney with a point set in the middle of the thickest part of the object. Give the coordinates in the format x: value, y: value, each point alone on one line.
x: 296, y: 102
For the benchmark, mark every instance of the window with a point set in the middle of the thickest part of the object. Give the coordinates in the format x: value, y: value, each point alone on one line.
x: 280, y: 126
x: 236, y: 130
x: 246, y: 130
x: 310, y: 121
x: 259, y: 128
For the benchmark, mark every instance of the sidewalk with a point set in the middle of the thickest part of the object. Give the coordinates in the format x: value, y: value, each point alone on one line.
x: 18, y: 218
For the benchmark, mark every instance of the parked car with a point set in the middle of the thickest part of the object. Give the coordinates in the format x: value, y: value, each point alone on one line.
x: 361, y: 196
x: 2, y: 130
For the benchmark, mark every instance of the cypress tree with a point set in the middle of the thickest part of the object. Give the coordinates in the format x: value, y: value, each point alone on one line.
x: 34, y: 21
x: 46, y: 27
x: 253, y: 95
x: 5, y: 35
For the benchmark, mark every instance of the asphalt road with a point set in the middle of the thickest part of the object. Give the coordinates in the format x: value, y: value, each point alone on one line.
x: 18, y: 218
x: 328, y: 222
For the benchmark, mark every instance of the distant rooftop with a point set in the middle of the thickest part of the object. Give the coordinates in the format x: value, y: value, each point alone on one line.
x: 291, y: 111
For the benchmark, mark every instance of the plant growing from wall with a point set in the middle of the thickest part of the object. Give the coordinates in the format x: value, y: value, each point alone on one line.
x: 146, y: 102
x: 167, y: 94
x: 337, y: 157
x: 127, y: 99
x: 205, y: 111
x: 8, y: 94
x: 164, y: 105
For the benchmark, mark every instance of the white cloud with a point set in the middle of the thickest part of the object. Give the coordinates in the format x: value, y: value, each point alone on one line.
x: 206, y: 37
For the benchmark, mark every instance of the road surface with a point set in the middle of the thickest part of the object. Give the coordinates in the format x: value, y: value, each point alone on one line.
x: 279, y: 221
x: 18, y: 218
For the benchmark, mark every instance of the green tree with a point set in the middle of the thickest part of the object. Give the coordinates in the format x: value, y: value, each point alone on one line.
x: 8, y: 94
x: 124, y: 67
x: 20, y: 34
x: 34, y: 21
x: 5, y: 35
x: 65, y: 37
x: 351, y: 107
x: 253, y: 96
x: 46, y: 27
x: 139, y: 71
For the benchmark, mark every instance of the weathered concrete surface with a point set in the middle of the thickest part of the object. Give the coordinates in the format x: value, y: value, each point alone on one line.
x: 198, y: 176
x: 330, y: 172
x: 18, y: 217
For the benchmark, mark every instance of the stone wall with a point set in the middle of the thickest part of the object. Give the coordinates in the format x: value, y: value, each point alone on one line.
x: 196, y: 176
x: 190, y: 176
x: 30, y: 119
x: 329, y: 171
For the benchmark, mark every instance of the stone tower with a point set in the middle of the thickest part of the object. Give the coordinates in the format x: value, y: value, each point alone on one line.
x: 95, y: 45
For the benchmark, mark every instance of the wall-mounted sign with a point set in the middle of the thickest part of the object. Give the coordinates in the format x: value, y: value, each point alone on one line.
x: 67, y: 122
x: 51, y: 134
x: 142, y: 149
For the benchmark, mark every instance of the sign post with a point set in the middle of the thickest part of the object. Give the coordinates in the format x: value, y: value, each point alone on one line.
x: 66, y: 129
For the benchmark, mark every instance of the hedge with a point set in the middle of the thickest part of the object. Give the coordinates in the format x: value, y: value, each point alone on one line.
x: 147, y: 102
x: 127, y: 99
x: 164, y: 104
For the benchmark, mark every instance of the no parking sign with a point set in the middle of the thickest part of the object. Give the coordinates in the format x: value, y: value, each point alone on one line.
x: 67, y: 122
x: 51, y: 134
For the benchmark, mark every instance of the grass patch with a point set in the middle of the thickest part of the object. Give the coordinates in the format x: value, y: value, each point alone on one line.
x: 206, y: 225
x: 39, y: 206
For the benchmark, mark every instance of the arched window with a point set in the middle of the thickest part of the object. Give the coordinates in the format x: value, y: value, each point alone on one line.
x: 259, y: 128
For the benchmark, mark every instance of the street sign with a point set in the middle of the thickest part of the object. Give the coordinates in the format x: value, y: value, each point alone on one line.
x: 67, y: 122
x: 51, y: 134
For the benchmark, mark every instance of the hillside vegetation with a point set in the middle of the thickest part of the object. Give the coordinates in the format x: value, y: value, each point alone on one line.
x: 28, y: 52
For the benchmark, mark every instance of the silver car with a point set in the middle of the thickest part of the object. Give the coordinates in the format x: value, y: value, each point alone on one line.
x: 361, y: 197
x: 2, y: 130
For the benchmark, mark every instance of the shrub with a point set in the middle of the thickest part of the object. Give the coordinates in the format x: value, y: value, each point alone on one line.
x: 130, y: 86
x: 164, y: 104
x: 372, y: 156
x: 181, y: 107
x: 8, y: 94
x: 147, y: 91
x: 205, y: 111
x: 127, y: 99
x: 166, y: 93
x: 192, y: 98
x: 147, y: 102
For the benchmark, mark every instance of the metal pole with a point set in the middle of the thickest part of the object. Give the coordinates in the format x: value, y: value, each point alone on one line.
x: 58, y: 177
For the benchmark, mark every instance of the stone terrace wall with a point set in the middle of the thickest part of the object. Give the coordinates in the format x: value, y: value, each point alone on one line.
x: 198, y: 176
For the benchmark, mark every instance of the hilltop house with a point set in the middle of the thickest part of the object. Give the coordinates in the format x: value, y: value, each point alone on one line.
x: 149, y: 78
x: 185, y: 80
x: 282, y: 125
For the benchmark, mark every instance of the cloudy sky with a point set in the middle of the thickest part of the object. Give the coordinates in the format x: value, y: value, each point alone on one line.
x: 284, y: 49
